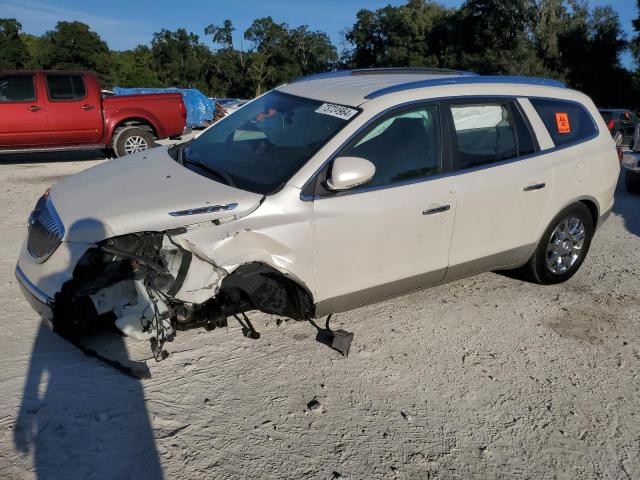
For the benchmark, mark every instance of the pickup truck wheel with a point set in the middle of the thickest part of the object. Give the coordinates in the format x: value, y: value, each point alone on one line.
x: 132, y: 140
x: 632, y: 182
x: 562, y: 248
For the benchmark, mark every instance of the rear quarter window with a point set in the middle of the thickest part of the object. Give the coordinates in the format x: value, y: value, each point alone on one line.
x: 566, y: 122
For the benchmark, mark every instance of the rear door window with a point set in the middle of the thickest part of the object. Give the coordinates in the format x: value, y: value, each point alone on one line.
x: 66, y: 87
x: 17, y: 88
x: 484, y: 132
x: 566, y: 121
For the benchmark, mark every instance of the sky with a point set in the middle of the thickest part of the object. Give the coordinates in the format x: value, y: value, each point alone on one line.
x: 127, y: 23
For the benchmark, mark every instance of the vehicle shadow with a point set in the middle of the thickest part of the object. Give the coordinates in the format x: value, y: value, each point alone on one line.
x: 82, y: 419
x: 627, y: 206
x: 52, y: 157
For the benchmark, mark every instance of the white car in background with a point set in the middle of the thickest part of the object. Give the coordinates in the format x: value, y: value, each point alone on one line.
x: 235, y: 106
x: 328, y: 193
x: 631, y: 164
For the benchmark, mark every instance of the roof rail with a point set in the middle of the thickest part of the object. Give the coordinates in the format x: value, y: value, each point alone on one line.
x: 466, y: 80
x: 409, y: 71
x: 383, y: 71
x: 317, y: 76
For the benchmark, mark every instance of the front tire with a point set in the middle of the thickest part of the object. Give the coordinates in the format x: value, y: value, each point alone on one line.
x: 562, y: 248
x: 632, y: 182
x: 132, y: 140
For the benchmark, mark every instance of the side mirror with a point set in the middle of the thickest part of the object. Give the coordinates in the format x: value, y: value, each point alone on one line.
x: 349, y: 172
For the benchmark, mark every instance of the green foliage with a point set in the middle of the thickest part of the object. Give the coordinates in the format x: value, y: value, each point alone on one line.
x: 554, y: 38
x: 564, y: 39
x: 133, y: 68
x: 414, y: 34
x: 180, y: 59
x: 73, y: 46
x: 221, y: 35
x: 280, y: 53
x: 635, y: 42
x: 13, y: 51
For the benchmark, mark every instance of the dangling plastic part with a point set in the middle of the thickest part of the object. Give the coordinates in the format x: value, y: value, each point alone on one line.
x: 339, y: 340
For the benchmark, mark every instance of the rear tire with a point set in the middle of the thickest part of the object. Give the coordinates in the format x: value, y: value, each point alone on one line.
x: 562, y: 248
x: 632, y: 182
x: 132, y: 140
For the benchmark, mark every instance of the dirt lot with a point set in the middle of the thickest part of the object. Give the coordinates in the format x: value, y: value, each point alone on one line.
x: 485, y: 378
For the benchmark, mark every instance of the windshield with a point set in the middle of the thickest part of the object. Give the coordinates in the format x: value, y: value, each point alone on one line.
x: 264, y: 143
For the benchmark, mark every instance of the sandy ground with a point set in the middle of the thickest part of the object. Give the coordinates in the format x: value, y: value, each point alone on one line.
x: 484, y: 378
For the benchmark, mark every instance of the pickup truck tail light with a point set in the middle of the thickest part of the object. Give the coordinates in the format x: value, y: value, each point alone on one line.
x: 620, y: 153
x: 183, y: 110
x: 610, y: 124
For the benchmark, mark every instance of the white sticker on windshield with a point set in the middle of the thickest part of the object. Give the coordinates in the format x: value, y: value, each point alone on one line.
x: 339, y: 111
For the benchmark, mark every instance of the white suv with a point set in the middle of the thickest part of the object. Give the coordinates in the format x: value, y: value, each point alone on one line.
x: 328, y: 193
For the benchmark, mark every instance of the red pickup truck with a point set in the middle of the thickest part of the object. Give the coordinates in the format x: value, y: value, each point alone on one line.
x: 59, y: 110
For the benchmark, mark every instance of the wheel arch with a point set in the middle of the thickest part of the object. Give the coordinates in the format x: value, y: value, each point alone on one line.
x: 116, y: 121
x: 588, y: 201
x: 269, y: 290
x: 134, y: 122
x: 594, y: 209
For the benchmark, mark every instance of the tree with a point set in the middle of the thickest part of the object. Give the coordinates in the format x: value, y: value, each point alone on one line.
x: 635, y: 42
x: 73, y: 46
x: 35, y: 47
x: 13, y: 51
x: 408, y: 35
x: 181, y: 60
x: 564, y: 39
x: 590, y: 49
x: 495, y: 37
x: 135, y: 68
x: 286, y: 53
x: 221, y: 35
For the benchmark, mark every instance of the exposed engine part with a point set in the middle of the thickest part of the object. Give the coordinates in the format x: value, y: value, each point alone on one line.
x: 151, y: 284
x: 135, y: 306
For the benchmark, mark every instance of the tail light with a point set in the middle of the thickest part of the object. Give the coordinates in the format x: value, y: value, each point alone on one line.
x: 611, y: 124
x: 620, y: 153
x: 183, y: 110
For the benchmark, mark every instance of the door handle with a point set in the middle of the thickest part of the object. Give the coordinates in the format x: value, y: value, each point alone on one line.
x: 86, y: 107
x: 34, y: 108
x: 440, y: 209
x: 537, y: 186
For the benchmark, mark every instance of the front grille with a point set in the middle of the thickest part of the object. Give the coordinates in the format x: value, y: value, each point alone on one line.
x: 45, y: 230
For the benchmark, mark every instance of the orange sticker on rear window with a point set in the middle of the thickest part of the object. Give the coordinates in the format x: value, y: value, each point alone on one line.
x: 562, y: 120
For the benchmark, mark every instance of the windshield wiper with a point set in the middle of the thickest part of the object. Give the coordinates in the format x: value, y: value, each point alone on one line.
x: 226, y: 179
x: 176, y: 151
x: 182, y: 159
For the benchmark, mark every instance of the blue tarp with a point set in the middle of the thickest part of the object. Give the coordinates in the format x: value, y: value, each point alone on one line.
x: 200, y: 108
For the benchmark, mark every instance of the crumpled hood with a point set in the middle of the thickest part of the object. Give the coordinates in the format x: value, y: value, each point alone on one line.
x: 137, y: 193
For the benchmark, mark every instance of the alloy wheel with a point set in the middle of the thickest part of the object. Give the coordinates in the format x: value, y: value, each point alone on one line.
x: 565, y: 245
x: 135, y: 144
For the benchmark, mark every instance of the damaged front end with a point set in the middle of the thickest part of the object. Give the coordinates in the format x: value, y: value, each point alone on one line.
x: 151, y: 284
